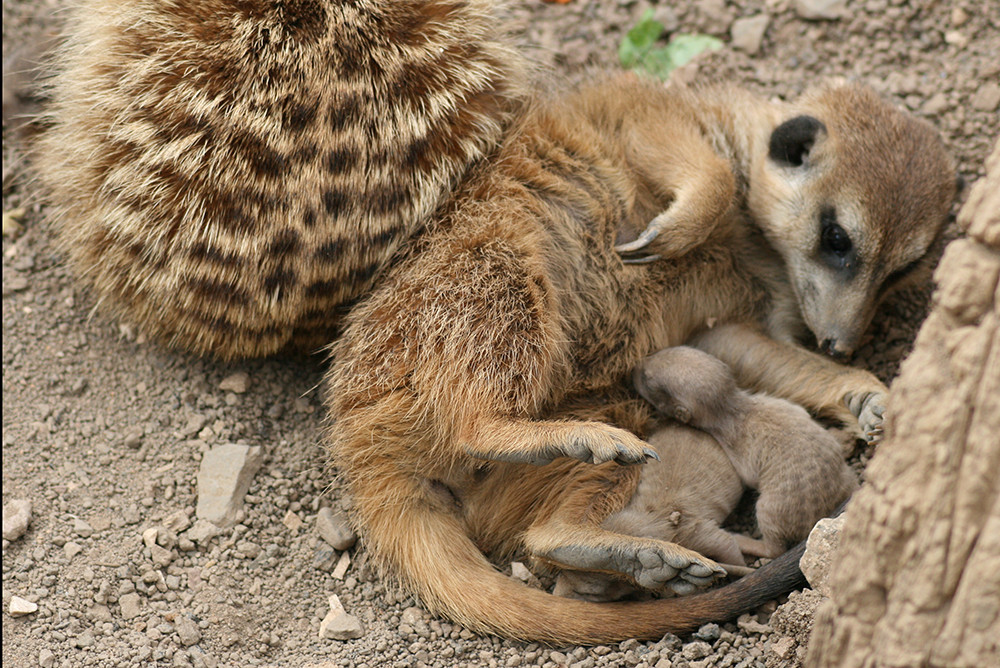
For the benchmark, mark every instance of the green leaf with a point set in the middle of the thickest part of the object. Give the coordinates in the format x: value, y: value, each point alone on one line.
x: 638, y: 50
x: 639, y: 40
x: 684, y: 47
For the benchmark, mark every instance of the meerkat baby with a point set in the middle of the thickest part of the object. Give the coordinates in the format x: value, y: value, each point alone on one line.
x: 775, y: 446
x: 683, y: 497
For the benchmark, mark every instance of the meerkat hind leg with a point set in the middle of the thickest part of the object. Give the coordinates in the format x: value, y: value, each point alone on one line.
x: 650, y: 563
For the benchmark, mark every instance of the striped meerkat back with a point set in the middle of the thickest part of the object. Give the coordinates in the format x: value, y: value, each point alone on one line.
x: 227, y: 173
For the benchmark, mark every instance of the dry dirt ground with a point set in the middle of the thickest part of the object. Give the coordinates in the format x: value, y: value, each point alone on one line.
x: 104, y: 433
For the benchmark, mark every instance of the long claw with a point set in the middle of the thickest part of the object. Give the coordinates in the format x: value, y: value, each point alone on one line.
x: 646, y: 259
x: 641, y: 242
x: 651, y: 454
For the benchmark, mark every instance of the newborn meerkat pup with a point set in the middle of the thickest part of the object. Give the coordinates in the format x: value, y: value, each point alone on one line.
x: 683, y: 497
x: 775, y: 446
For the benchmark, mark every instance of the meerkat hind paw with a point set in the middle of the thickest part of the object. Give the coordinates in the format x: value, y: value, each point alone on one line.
x: 651, y: 567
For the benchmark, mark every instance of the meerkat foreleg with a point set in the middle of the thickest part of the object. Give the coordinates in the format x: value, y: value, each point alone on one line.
x: 847, y: 394
x: 701, y: 185
x: 539, y: 442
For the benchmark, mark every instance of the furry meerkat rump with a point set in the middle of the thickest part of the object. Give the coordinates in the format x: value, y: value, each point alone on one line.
x: 229, y: 175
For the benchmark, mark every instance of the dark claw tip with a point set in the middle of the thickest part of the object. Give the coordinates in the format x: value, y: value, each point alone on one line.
x: 650, y: 454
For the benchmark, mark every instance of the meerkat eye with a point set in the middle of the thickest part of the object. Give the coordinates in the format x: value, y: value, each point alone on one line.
x: 833, y: 238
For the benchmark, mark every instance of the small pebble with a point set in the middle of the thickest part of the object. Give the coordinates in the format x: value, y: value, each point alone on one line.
x: 335, y: 529
x: 131, y: 605
x: 187, y: 630
x: 16, y: 517
x: 292, y: 521
x: 338, y: 625
x: 82, y: 528
x: 238, y: 382
x: 20, y: 607
x: 224, y: 477
x: 46, y: 659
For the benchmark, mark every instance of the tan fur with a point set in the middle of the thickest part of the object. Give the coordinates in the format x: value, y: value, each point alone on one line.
x: 795, y: 464
x: 231, y: 174
x: 684, y: 498
x: 513, y: 316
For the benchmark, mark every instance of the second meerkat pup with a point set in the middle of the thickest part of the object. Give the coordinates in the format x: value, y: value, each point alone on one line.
x: 683, y: 497
x: 776, y: 447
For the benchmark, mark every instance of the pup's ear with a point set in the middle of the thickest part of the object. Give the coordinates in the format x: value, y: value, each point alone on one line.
x: 792, y: 140
x: 682, y: 414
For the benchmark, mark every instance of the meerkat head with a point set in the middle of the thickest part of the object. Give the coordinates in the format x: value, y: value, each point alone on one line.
x: 852, y: 193
x: 686, y: 384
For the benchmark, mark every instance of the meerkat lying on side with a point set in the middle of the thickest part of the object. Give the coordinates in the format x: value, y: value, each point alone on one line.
x: 683, y: 497
x: 796, y: 465
x: 480, y: 400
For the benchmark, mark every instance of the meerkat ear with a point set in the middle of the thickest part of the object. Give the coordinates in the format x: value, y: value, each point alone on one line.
x: 682, y: 414
x: 792, y: 140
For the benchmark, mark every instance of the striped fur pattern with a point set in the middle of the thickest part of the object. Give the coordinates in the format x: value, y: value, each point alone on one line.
x: 230, y: 174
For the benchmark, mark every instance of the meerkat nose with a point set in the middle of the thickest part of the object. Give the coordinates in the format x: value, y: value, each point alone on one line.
x: 829, y: 347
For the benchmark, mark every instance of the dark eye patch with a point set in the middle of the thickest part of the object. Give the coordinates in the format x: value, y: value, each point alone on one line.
x: 833, y: 238
x: 836, y: 248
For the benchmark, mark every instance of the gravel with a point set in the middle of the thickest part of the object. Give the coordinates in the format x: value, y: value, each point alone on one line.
x: 103, y: 428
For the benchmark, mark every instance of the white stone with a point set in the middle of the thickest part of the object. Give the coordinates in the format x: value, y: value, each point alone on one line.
x: 520, y: 571
x: 177, y: 521
x: 16, y: 517
x: 223, y: 480
x: 238, y: 382
x: 748, y: 33
x: 131, y: 605
x: 987, y: 98
x: 187, y: 630
x: 202, y: 532
x: 82, y: 528
x: 335, y: 529
x: 161, y: 557
x: 149, y: 536
x: 46, y: 659
x: 820, y: 549
x: 342, y: 565
x: 20, y: 607
x: 338, y: 625
x: 820, y: 9
x: 292, y: 521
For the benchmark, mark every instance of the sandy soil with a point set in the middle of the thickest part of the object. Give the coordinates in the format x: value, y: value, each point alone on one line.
x: 104, y: 433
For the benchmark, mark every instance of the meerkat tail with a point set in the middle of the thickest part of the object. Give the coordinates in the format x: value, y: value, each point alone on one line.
x: 437, y: 560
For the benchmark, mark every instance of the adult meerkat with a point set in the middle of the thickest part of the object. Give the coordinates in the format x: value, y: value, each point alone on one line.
x: 796, y: 465
x: 456, y: 390
x: 229, y: 174
x: 683, y: 497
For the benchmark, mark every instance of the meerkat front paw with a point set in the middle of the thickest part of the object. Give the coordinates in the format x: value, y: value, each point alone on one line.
x: 869, y: 409
x: 588, y: 442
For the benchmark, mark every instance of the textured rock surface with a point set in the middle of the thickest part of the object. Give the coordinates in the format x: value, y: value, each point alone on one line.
x: 223, y: 480
x: 338, y: 625
x: 16, y: 517
x: 918, y: 581
x: 820, y: 550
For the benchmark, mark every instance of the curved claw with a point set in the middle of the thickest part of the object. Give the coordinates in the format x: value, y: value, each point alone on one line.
x: 646, y: 259
x: 641, y: 241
